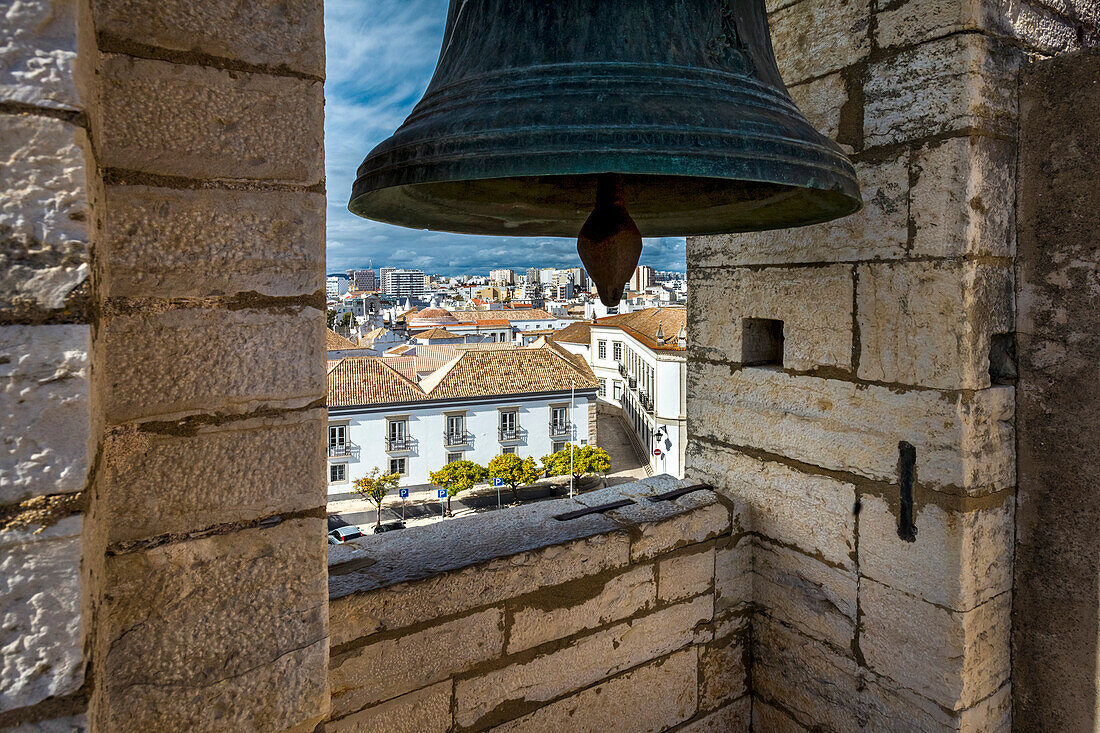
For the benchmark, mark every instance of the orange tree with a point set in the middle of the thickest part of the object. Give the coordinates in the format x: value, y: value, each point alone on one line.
x: 457, y: 476
x: 374, y: 486
x: 514, y: 471
x: 587, y: 460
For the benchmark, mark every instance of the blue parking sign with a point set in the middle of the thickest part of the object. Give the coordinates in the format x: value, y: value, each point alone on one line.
x: 442, y: 493
x: 498, y: 481
x: 403, y: 493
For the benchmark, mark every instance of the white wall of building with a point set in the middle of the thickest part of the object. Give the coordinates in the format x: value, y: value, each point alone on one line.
x: 365, y: 431
x: 665, y: 374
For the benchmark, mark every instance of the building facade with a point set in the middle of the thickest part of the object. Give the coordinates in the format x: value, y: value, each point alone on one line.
x: 526, y: 401
x: 403, y: 283
x: 640, y: 364
x: 365, y: 280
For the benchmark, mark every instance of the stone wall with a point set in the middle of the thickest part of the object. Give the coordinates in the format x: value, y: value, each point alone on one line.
x: 1057, y: 598
x: 877, y: 463
x: 629, y: 619
x: 162, y: 366
x: 45, y: 336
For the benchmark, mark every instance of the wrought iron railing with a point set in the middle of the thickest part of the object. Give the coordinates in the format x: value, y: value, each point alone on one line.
x: 559, y: 429
x: 338, y: 450
x: 453, y: 439
x: 397, y: 442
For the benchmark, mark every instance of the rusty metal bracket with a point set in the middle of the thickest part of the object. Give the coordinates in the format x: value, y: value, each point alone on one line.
x: 599, y: 509
x: 677, y: 493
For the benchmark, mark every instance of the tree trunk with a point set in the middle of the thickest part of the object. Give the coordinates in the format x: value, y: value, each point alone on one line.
x: 515, y: 494
x: 378, y: 516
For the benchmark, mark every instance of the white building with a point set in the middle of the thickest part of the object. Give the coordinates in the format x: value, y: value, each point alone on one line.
x: 503, y: 276
x: 477, y: 405
x: 403, y: 283
x: 644, y: 276
x: 639, y: 361
x: 335, y: 286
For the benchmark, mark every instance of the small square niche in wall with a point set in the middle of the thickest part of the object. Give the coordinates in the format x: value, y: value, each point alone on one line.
x: 761, y: 342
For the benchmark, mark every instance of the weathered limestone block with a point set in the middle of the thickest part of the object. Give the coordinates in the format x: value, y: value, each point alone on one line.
x: 285, y: 37
x: 918, y: 21
x: 821, y: 100
x: 587, y: 660
x: 732, y: 573
x: 956, y: 659
x: 817, y: 599
x: 400, y: 579
x: 814, y: 303
x: 723, y: 674
x: 959, y: 560
x: 41, y: 635
x: 670, y: 692
x: 427, y: 710
x: 878, y: 231
x: 811, y: 513
x: 37, y: 52
x: 562, y: 611
x: 963, y: 198
x: 884, y: 704
x: 769, y: 718
x: 202, y: 603
x: 394, y: 666
x: 814, y: 37
x: 666, y: 525
x: 962, y: 441
x: 809, y: 679
x: 683, y: 576
x: 195, y: 121
x: 954, y: 84
x: 733, y: 718
x: 931, y: 324
x: 163, y: 242
x: 169, y: 362
x: 43, y: 212
x: 161, y: 482
x: 44, y: 410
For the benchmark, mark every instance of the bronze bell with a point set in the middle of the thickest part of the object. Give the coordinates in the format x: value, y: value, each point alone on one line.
x: 556, y: 117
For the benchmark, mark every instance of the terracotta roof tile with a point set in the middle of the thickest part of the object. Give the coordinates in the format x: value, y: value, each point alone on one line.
x: 575, y: 333
x: 644, y: 325
x: 336, y: 342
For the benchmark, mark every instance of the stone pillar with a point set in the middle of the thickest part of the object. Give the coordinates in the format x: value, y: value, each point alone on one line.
x: 1057, y: 601
x: 208, y: 365
x: 877, y: 450
x: 45, y: 331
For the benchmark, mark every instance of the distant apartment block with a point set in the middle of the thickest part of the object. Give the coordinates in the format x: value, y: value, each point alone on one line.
x: 644, y: 276
x: 335, y: 286
x: 639, y: 362
x: 366, y: 280
x: 503, y: 276
x: 403, y: 283
x: 411, y: 415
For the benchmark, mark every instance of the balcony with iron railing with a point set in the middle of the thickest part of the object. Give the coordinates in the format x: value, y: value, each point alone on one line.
x: 507, y: 435
x: 622, y: 370
x: 340, y: 450
x: 397, y: 443
x: 647, y: 403
x: 455, y: 439
x: 560, y: 429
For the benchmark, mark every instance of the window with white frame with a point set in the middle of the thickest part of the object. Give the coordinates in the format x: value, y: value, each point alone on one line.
x: 558, y: 446
x: 337, y: 473
x: 617, y: 350
x: 337, y: 439
x: 456, y: 429
x: 400, y: 466
x: 508, y: 424
x: 602, y: 349
x: 508, y: 449
x: 559, y: 420
x: 603, y: 387
x: 398, y: 434
x: 452, y: 457
x: 617, y: 386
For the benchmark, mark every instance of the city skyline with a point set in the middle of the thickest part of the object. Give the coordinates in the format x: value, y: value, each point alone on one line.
x: 394, y: 44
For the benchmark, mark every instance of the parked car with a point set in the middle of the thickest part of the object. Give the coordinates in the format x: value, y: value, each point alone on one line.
x: 340, y: 535
x: 389, y: 527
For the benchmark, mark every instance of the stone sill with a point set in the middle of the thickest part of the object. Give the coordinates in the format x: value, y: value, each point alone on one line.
x: 380, y: 561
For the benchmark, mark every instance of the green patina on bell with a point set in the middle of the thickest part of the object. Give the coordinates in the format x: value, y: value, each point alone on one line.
x: 672, y: 110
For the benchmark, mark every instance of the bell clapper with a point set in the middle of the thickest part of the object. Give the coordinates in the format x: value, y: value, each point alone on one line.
x: 610, y: 243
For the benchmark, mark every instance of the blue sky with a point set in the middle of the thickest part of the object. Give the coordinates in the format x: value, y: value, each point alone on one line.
x: 381, y: 54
